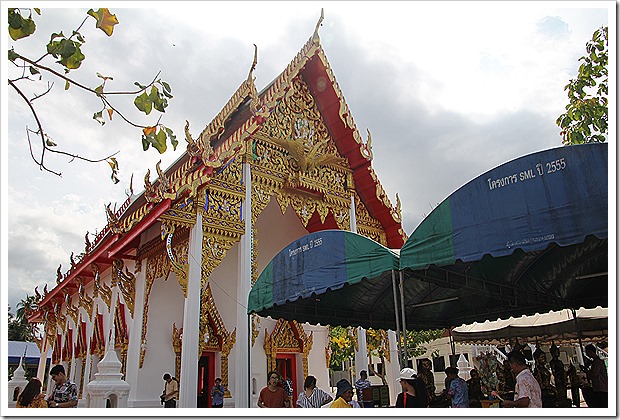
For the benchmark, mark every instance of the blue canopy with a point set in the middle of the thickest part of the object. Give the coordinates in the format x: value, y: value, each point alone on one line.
x: 328, y: 277
x: 527, y: 236
x: 554, y: 196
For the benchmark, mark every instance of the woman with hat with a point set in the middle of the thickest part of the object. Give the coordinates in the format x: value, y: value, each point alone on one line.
x: 344, y: 394
x: 414, y: 390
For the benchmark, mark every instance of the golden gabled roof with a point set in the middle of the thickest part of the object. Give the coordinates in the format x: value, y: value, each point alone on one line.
x: 226, y: 137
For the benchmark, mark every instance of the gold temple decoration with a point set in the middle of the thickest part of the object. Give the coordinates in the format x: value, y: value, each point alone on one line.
x: 222, y: 224
x: 84, y: 301
x: 386, y: 345
x: 50, y: 319
x: 71, y: 310
x: 287, y: 337
x: 366, y: 149
x: 352, y: 332
x: 101, y: 289
x: 121, y: 336
x: 289, y: 148
x: 179, y: 267
x: 328, y: 349
x: 177, y: 344
x: 83, y: 368
x: 97, y: 345
x: 81, y: 354
x: 397, y: 212
x: 213, y: 334
x: 60, y: 317
x: 126, y: 282
x: 113, y: 222
x: 255, y: 328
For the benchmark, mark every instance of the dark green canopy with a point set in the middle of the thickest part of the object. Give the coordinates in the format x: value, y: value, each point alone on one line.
x: 328, y: 277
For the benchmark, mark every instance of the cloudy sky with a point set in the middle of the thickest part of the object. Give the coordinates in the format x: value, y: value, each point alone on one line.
x: 449, y: 90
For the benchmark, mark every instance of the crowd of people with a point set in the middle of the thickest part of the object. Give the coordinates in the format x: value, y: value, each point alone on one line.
x: 418, y: 389
x: 531, y: 387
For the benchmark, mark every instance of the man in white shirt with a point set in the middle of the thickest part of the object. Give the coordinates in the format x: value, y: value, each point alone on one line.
x: 527, y: 389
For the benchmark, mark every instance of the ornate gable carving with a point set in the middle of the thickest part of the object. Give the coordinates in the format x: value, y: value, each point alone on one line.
x: 287, y: 337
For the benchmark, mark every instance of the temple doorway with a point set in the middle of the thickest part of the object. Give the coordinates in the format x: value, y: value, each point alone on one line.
x: 286, y: 366
x: 206, y: 378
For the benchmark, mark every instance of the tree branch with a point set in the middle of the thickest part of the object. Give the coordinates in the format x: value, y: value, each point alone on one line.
x: 41, y: 133
x: 62, y: 76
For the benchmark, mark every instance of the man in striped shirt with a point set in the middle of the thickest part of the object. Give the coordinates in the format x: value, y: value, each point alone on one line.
x: 361, y: 384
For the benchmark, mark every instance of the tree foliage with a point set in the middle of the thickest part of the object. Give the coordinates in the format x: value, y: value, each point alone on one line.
x: 19, y: 327
x: 63, y: 54
x: 585, y: 119
x: 341, y: 345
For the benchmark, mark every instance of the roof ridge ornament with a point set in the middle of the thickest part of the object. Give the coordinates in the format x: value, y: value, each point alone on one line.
x: 254, y: 62
x: 315, y: 36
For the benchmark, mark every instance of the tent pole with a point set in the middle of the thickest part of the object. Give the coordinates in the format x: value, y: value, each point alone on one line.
x: 398, y: 344
x: 578, y: 332
x: 402, y: 308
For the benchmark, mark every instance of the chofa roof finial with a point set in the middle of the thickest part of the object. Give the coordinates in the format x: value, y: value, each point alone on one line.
x: 253, y: 62
x: 316, y: 30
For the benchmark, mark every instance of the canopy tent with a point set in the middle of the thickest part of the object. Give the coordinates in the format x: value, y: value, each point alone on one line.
x: 553, y: 326
x: 24, y: 349
x: 328, y: 277
x: 527, y: 236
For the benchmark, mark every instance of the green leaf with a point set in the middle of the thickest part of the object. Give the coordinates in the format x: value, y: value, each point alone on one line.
x: 101, y: 76
x: 67, y: 85
x: 38, y: 11
x: 143, y: 103
x: 15, y: 19
x: 13, y: 55
x: 49, y: 142
x: 56, y: 35
x: 99, y: 89
x: 74, y: 60
x: 159, y: 141
x: 145, y: 143
x: 33, y: 70
x: 167, y: 90
x: 105, y: 20
x: 114, y: 166
x: 139, y: 85
x: 20, y: 27
x: 98, y: 116
x: 173, y: 138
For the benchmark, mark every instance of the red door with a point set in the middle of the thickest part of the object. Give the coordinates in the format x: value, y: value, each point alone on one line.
x: 285, y: 365
x: 206, y: 378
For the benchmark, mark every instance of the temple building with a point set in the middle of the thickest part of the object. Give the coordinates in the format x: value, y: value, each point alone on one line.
x: 164, y: 286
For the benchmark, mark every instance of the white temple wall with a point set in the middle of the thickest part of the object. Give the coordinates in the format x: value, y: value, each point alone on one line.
x: 132, y: 370
x: 223, y: 283
x: 259, y: 359
x: 259, y: 364
x: 316, y: 358
x: 275, y: 231
x: 165, y: 308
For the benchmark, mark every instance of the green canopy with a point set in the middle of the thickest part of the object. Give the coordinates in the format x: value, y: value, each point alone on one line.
x: 328, y: 277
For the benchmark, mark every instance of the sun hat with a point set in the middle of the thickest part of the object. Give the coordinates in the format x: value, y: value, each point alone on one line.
x: 342, y: 386
x: 407, y: 373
